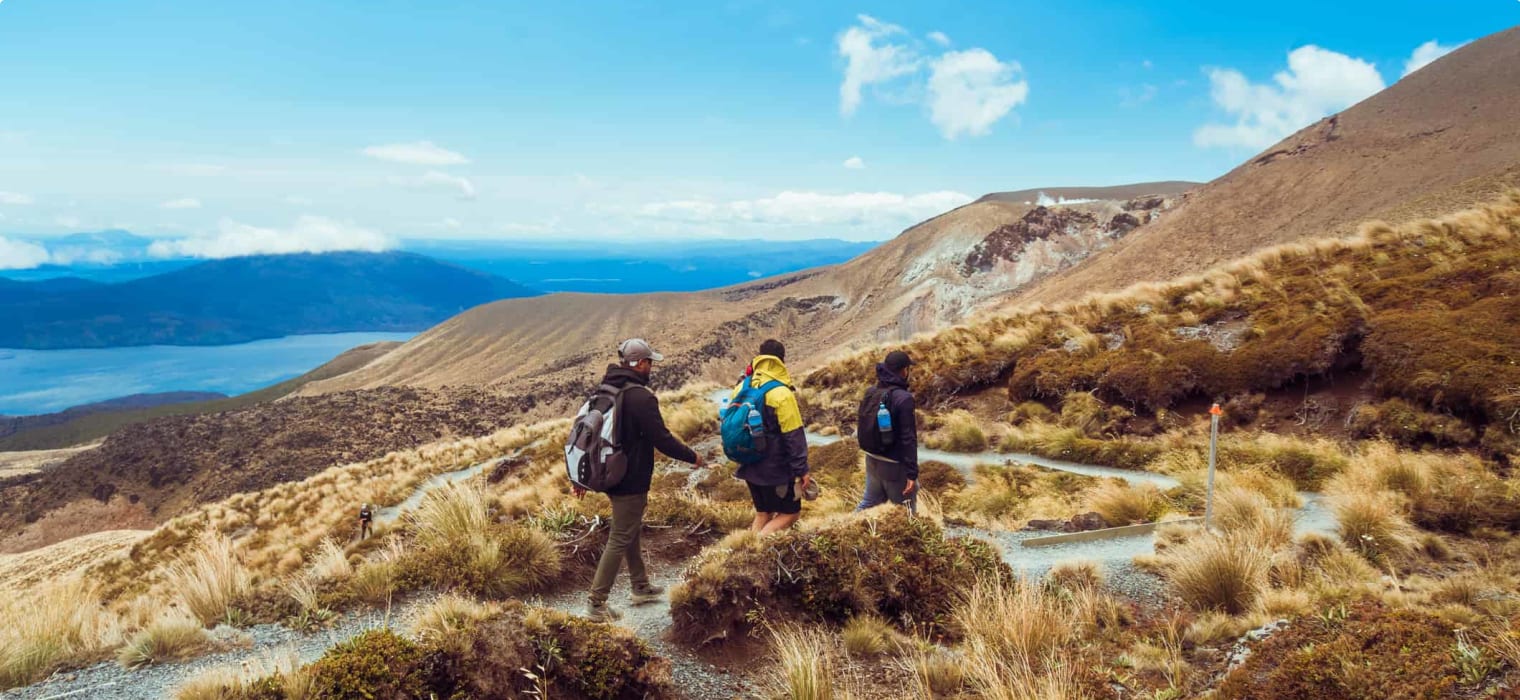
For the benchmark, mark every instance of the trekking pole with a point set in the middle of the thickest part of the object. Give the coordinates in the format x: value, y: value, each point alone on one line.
x: 1208, y: 507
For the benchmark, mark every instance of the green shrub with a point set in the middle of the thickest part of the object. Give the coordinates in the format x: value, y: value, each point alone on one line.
x: 1372, y: 653
x: 904, y: 570
x: 377, y: 664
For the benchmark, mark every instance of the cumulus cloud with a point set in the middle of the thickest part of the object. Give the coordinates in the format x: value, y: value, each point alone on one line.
x: 1425, y: 54
x: 854, y: 163
x: 182, y: 203
x: 309, y: 234
x: 871, y: 58
x: 879, y: 210
x: 971, y: 90
x: 21, y: 255
x: 966, y: 92
x: 15, y: 198
x: 1318, y: 82
x: 416, y: 153
x: 461, y: 187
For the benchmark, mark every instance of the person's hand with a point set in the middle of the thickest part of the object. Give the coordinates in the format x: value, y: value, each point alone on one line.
x: 806, y: 479
x: 578, y: 491
x: 910, y: 488
x: 700, y: 462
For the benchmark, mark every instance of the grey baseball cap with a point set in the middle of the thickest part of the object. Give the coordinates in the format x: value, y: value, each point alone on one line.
x: 635, y: 349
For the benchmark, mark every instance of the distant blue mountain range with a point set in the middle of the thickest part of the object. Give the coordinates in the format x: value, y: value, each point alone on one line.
x: 241, y: 299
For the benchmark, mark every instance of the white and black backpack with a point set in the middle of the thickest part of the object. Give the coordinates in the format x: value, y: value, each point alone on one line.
x: 594, y: 456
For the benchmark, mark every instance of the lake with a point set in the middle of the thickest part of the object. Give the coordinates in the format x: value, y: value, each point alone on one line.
x: 44, y: 381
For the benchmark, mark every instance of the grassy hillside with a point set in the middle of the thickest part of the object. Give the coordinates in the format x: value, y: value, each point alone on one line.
x: 1428, y: 313
x: 93, y: 426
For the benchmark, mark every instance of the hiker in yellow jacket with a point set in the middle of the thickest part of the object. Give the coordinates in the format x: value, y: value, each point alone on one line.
x: 778, y: 480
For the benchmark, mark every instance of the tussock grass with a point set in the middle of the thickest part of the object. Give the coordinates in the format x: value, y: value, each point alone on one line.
x: 447, y: 622
x: 936, y: 673
x: 1251, y: 515
x: 1373, y: 524
x: 806, y: 665
x: 1011, y: 621
x: 961, y: 432
x: 1125, y: 504
x: 171, y: 637
x: 330, y: 562
x: 221, y: 683
x: 209, y: 578
x: 50, y: 628
x: 1218, y: 572
x: 1076, y: 574
x: 868, y: 635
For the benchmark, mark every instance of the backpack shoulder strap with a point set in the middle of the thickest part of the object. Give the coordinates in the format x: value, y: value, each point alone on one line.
x: 772, y: 384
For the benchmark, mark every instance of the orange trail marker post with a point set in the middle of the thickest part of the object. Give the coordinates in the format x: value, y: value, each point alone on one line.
x: 1208, y: 507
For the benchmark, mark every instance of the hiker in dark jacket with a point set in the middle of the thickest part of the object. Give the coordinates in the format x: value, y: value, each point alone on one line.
x: 893, y: 475
x: 776, y: 482
x: 642, y: 431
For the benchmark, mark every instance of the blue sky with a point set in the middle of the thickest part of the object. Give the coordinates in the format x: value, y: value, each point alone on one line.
x: 271, y: 125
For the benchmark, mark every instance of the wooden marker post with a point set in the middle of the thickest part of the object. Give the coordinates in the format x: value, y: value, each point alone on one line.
x: 1208, y: 508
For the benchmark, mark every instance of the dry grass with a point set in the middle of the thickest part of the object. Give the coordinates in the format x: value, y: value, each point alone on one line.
x: 1251, y: 515
x: 447, y: 621
x: 1125, y: 504
x: 1373, y: 524
x: 961, y: 432
x: 936, y: 673
x: 1218, y: 572
x: 221, y: 683
x: 170, y: 637
x: 1016, y: 621
x: 374, y: 582
x: 806, y: 665
x: 1076, y: 574
x: 49, y: 628
x: 868, y: 635
x: 330, y: 562
x: 209, y: 578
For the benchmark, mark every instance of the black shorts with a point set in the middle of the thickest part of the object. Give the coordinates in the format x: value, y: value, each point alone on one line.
x: 776, y: 499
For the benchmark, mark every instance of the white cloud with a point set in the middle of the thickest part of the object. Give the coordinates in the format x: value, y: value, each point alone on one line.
x: 882, y: 210
x: 1134, y: 97
x: 854, y: 163
x: 69, y: 255
x: 182, y: 203
x: 68, y: 221
x: 870, y: 59
x: 1147, y: 64
x: 1427, y: 53
x: 15, y: 198
x: 939, y: 38
x: 309, y: 234
x: 21, y: 255
x: 451, y: 223
x: 298, y: 201
x: 971, y: 90
x: 1318, y: 82
x: 416, y: 153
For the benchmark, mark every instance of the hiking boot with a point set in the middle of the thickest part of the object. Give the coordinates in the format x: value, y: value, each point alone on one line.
x: 648, y: 593
x: 601, y: 612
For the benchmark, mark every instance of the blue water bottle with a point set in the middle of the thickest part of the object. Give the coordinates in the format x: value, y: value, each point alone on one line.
x: 884, y: 423
x: 756, y: 424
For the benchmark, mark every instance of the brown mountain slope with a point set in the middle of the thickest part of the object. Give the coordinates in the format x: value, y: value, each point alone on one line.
x: 1439, y: 140
x: 930, y: 276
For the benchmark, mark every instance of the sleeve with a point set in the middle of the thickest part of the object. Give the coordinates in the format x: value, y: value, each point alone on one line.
x: 644, y: 408
x: 783, y: 403
x: 906, y: 418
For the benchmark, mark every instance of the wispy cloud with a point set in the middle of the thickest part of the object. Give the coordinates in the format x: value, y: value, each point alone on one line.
x: 939, y: 38
x: 416, y: 153
x: 461, y: 187
x: 1317, y: 82
x: 193, y: 169
x: 309, y: 234
x: 969, y: 91
x: 811, y: 209
x: 871, y: 58
x: 854, y: 163
x: 15, y: 198
x: 182, y: 203
x: 1427, y: 53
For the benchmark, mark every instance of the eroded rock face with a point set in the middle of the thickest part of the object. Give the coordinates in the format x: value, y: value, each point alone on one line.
x: 1060, y: 235
x: 1009, y: 242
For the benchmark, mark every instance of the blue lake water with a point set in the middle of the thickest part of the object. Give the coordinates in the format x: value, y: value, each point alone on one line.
x: 44, y: 381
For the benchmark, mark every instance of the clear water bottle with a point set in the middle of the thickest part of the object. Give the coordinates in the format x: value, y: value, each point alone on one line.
x: 884, y: 423
x: 756, y: 423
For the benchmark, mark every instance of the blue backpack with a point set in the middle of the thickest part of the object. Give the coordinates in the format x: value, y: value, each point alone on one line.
x: 742, y: 422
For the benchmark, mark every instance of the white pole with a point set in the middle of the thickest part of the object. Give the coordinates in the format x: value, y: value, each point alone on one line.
x: 1208, y: 507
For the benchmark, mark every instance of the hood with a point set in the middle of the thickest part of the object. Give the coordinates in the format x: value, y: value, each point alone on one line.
x: 768, y: 367
x: 887, y: 377
x: 620, y: 376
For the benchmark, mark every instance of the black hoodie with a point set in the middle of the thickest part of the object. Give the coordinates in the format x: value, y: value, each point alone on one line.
x: 642, y: 431
x: 904, y: 450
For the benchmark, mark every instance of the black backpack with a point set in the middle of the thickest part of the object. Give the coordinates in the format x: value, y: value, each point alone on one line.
x: 594, y: 456
x: 867, y: 432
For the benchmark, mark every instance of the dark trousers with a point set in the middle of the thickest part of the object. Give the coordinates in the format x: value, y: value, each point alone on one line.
x: 885, y: 482
x: 622, y: 543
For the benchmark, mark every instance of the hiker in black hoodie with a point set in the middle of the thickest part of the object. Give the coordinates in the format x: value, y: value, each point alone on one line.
x: 892, y: 475
x: 642, y: 430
